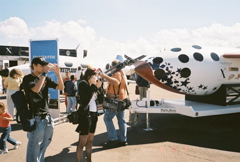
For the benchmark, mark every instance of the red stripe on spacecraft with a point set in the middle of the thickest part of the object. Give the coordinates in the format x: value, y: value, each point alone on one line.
x: 228, y: 55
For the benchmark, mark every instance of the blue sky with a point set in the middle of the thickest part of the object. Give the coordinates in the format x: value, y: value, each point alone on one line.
x: 123, y: 25
x: 125, y: 19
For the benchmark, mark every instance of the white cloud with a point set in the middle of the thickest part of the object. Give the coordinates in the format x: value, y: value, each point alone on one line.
x: 218, y: 35
x: 15, y: 31
x: 70, y: 34
x: 82, y: 21
x: 14, y: 28
x: 214, y: 35
x: 172, y: 37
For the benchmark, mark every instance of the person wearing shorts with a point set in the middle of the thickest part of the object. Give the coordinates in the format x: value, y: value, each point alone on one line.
x: 88, y: 116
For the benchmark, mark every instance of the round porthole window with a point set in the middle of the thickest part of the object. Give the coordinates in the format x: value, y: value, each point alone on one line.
x: 183, y: 58
x: 214, y: 56
x: 176, y: 49
x: 198, y: 56
x: 68, y: 64
x: 197, y: 47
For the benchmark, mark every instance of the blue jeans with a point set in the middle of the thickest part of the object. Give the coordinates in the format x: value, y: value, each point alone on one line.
x: 39, y: 139
x: 6, y: 137
x: 112, y: 133
x: 72, y: 102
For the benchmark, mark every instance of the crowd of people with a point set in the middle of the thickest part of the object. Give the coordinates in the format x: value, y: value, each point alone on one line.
x: 11, y: 84
x: 85, y: 85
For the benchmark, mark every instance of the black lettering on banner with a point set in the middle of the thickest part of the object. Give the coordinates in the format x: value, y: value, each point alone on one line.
x: 71, y: 70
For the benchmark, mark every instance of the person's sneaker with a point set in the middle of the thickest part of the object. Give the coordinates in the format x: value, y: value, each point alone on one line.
x: 18, y: 143
x: 4, y: 151
x: 123, y: 143
x: 110, y: 144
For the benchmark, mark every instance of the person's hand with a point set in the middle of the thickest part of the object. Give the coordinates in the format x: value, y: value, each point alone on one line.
x: 102, y: 75
x: 48, y: 67
x: 4, y: 118
x: 99, y: 83
x: 56, y: 69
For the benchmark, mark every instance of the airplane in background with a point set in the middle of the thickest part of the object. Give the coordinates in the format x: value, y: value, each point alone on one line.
x: 69, y: 60
x: 209, y: 77
x: 193, y: 70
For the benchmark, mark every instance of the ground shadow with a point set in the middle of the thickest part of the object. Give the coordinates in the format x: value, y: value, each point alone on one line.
x: 62, y: 156
x: 216, y: 132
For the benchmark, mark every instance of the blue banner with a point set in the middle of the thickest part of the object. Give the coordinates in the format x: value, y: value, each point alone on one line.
x: 47, y: 49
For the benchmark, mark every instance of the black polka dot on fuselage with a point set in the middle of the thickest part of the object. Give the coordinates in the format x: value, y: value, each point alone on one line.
x: 159, y: 73
x: 185, y: 72
x: 157, y: 60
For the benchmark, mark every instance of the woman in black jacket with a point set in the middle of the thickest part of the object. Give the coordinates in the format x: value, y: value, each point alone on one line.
x: 87, y: 90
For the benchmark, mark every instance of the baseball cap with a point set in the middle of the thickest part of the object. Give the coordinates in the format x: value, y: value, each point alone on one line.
x: 39, y: 60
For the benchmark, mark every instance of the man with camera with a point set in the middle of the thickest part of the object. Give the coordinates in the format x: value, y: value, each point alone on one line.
x: 36, y: 87
x: 116, y: 85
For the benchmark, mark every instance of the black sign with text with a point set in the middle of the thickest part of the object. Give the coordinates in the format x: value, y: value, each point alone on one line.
x: 24, y: 51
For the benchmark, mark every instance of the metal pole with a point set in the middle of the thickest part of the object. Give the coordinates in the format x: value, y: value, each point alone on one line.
x: 147, y: 115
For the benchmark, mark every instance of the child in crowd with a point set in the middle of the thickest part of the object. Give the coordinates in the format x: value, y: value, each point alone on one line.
x: 5, y: 128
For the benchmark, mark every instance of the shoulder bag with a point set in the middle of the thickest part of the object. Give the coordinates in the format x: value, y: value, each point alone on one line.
x: 23, y: 111
x: 116, y: 104
x: 74, y: 117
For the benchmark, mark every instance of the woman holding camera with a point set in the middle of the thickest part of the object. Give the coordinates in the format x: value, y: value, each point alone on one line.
x: 87, y: 91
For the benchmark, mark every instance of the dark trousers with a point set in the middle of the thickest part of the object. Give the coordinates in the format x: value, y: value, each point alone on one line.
x: 6, y: 137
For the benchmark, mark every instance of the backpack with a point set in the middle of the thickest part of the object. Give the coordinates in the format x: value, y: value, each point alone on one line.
x: 24, y: 114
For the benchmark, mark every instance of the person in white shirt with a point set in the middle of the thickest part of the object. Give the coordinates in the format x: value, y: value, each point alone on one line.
x: 88, y: 116
x: 79, y: 75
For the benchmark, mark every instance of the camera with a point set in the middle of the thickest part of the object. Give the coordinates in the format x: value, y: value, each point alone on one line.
x: 99, y: 79
x: 53, y: 67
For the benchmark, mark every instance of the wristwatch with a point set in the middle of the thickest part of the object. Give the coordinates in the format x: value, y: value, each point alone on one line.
x: 44, y: 74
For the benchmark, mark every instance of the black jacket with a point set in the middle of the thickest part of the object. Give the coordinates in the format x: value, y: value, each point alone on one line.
x: 85, y: 91
x: 142, y: 82
x: 70, y: 88
x: 38, y: 101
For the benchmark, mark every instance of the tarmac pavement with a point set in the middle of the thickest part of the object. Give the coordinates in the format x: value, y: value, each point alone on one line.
x: 174, y: 138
